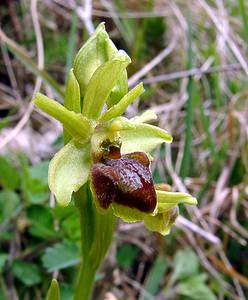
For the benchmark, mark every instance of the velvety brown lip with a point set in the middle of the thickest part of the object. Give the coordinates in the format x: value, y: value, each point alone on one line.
x: 126, y: 180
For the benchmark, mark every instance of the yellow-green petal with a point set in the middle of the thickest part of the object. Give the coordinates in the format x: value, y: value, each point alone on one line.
x: 101, y: 84
x: 162, y: 222
x: 119, y: 108
x: 166, y: 200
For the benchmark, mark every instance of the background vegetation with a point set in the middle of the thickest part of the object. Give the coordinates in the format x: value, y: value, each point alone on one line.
x: 192, y: 57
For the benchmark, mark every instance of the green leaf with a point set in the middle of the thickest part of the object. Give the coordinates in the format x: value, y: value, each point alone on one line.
x: 167, y: 200
x: 96, y: 51
x: 119, y: 108
x: 153, y: 280
x: 9, y: 203
x: 126, y: 255
x: 101, y: 84
x: 41, y: 222
x: 69, y: 170
x: 61, y: 256
x: 34, y: 182
x: 185, y: 264
x: 66, y: 291
x: 195, y: 288
x: 6, y: 174
x: 53, y: 292
x: 77, y: 125
x: 27, y: 273
x: 3, y: 260
x: 72, y: 98
x: 39, y: 171
x: 70, y: 227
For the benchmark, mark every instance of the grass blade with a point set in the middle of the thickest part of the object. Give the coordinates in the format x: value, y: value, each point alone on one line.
x: 189, y: 110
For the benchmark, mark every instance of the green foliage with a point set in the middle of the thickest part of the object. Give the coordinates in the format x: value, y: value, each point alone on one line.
x: 185, y: 264
x: 3, y: 260
x: 41, y: 222
x: 195, y: 288
x: 61, y: 256
x: 7, y: 180
x: 126, y: 255
x: 27, y: 273
x: 9, y: 202
x: 154, y: 277
x: 186, y: 279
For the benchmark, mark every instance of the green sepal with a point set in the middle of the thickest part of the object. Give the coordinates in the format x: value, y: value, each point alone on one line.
x: 101, y: 84
x: 167, y: 200
x: 133, y: 136
x: 76, y: 124
x: 96, y: 51
x: 72, y: 99
x: 53, y: 292
x: 119, y: 108
x: 143, y: 137
x: 69, y: 170
x: 162, y: 222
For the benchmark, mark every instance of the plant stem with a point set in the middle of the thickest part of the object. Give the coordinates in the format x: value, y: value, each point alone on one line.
x: 85, y: 281
x: 96, y: 237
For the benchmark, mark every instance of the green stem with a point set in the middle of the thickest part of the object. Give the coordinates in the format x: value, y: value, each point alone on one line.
x: 96, y: 237
x: 85, y: 282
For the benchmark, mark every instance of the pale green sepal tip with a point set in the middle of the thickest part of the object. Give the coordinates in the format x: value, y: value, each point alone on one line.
x: 69, y: 170
x: 101, y: 84
x: 119, y: 108
x: 162, y: 222
x: 174, y: 198
x: 77, y: 125
x: 53, y: 292
x: 146, y: 116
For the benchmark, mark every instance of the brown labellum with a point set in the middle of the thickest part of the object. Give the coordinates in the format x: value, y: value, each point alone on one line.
x: 124, y: 180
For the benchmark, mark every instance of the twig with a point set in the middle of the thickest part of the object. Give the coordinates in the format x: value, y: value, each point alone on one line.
x: 229, y: 41
x: 153, y: 63
x: 192, y: 72
x: 181, y: 222
x: 85, y: 14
